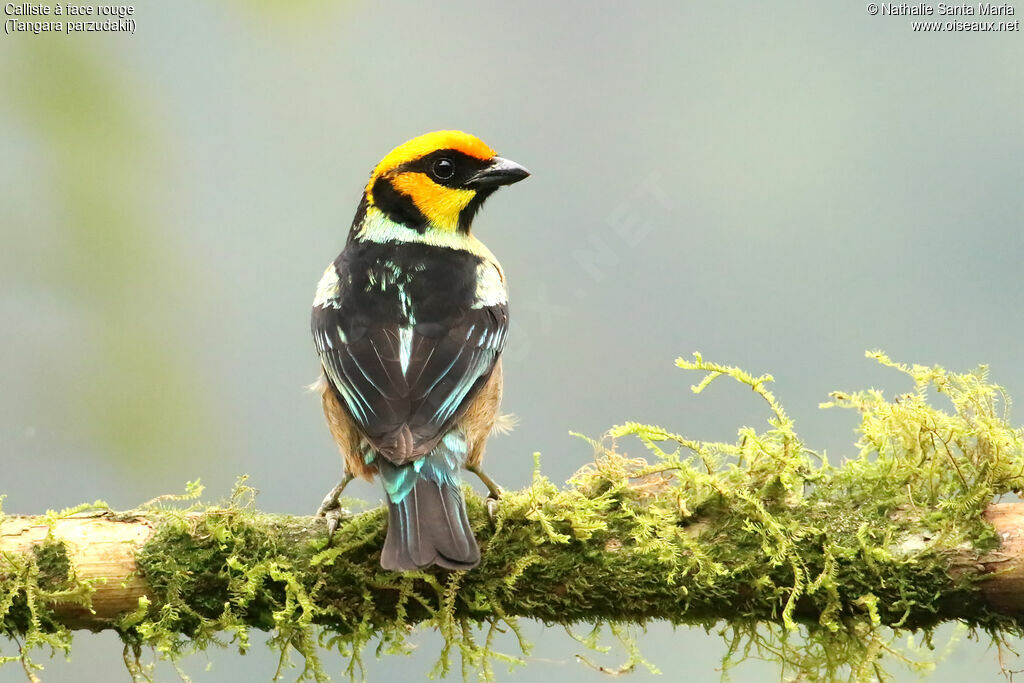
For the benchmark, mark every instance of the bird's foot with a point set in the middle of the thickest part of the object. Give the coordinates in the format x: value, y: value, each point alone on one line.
x: 334, y: 517
x: 331, y: 508
x: 492, y: 508
x: 493, y: 490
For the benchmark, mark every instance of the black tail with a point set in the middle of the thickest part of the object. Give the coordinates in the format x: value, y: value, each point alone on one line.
x: 429, y: 526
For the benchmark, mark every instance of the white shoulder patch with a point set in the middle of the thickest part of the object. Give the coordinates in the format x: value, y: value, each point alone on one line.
x: 490, y: 286
x: 327, y: 289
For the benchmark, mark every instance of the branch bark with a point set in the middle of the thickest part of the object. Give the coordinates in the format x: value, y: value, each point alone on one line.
x: 103, y: 549
x: 1004, y: 588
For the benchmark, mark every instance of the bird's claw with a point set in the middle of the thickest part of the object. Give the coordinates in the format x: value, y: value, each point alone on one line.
x: 332, y: 510
x: 334, y: 518
x: 492, y: 508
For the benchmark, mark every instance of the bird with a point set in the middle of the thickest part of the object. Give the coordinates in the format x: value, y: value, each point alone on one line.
x: 409, y: 322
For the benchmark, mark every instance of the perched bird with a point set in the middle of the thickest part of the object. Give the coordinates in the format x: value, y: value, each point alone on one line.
x: 409, y: 322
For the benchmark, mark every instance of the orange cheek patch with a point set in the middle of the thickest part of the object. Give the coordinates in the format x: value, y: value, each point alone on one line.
x: 441, y: 205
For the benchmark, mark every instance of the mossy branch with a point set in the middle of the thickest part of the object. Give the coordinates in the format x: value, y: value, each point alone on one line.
x: 802, y: 561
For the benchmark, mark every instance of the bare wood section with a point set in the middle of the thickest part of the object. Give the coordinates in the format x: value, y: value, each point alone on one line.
x: 1005, y: 590
x: 99, y: 549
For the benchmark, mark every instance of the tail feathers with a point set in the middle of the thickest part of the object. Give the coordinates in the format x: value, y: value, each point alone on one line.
x: 429, y: 526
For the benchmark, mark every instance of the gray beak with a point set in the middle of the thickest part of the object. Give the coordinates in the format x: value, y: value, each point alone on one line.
x: 499, y: 172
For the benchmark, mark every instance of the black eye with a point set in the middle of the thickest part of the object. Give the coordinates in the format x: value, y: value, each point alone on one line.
x: 443, y: 169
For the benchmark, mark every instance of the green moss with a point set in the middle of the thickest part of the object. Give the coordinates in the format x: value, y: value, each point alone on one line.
x: 816, y: 566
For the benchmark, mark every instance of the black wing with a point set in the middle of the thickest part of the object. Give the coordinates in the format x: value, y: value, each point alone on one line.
x: 405, y: 386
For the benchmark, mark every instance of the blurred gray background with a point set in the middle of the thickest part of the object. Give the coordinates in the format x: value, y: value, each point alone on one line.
x: 778, y: 187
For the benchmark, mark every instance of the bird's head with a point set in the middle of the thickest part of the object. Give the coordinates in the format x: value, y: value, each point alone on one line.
x: 438, y: 181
